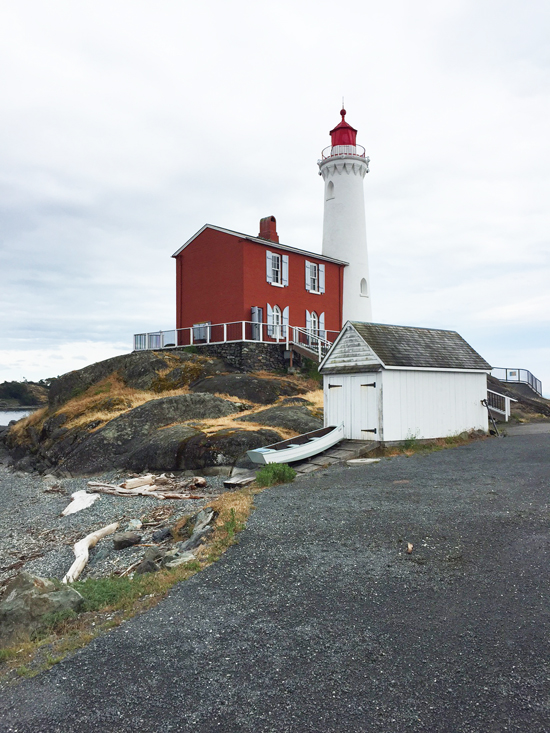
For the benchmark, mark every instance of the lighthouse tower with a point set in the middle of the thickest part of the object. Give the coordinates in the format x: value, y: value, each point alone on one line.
x: 343, y: 166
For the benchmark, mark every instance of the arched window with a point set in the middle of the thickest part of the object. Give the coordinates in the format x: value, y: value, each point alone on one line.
x: 277, y: 322
x: 330, y: 190
x: 364, y: 287
x: 314, y: 324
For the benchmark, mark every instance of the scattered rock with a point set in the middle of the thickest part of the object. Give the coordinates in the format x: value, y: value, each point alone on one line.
x: 179, y: 559
x: 146, y: 566
x: 153, y: 553
x: 125, y: 539
x: 134, y: 525
x: 161, y: 534
x: 196, y: 539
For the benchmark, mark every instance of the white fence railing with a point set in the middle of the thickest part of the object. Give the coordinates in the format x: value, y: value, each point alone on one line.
x: 317, y: 342
x: 499, y: 403
x: 522, y: 376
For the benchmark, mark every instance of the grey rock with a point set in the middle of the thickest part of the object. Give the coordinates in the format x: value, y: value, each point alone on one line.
x: 223, y: 448
x: 196, y: 539
x: 134, y: 525
x: 161, y: 534
x: 291, y: 417
x: 125, y: 539
x: 129, y: 440
x: 180, y: 559
x: 154, y: 554
x: 28, y: 599
x: 245, y: 386
x: 146, y: 566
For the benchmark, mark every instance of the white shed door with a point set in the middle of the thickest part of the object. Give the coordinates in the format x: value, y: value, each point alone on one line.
x: 353, y: 400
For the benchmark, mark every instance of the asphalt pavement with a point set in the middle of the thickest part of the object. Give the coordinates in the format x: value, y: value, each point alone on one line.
x: 320, y: 620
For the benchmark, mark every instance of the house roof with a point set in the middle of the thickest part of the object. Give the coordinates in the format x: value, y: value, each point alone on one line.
x: 369, y: 346
x: 259, y: 240
x: 408, y: 346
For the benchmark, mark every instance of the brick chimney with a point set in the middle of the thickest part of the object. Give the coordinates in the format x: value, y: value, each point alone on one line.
x: 268, y: 229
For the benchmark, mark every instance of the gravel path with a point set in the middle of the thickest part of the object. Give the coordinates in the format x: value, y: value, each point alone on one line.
x: 319, y: 620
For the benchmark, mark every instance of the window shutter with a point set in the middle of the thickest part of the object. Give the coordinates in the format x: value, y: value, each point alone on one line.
x: 268, y: 267
x: 321, y: 278
x: 285, y: 321
x: 285, y: 269
x: 308, y: 277
x: 269, y: 320
x: 308, y: 321
x: 322, y: 333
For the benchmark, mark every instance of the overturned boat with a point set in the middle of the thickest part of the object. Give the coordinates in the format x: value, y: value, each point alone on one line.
x: 296, y: 449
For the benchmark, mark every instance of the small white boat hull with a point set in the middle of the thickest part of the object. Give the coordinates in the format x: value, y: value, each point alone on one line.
x: 299, y: 448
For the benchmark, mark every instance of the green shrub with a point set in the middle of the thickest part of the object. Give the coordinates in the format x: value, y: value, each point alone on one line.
x: 275, y: 473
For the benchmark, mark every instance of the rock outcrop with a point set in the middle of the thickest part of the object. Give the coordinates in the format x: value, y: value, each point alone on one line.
x: 247, y: 387
x: 29, y: 599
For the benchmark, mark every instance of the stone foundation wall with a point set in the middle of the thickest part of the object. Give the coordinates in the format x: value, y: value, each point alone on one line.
x: 248, y: 356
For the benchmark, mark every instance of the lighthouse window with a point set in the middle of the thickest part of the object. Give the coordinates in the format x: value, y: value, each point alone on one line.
x: 330, y: 190
x: 364, y: 287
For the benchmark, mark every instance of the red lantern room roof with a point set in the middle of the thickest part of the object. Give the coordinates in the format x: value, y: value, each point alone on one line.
x: 343, y: 133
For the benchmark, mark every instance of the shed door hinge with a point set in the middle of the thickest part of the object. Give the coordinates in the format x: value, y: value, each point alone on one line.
x: 369, y: 430
x: 372, y: 384
x: 333, y: 386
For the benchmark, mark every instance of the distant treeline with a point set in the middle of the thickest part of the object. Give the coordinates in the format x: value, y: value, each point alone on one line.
x: 26, y: 393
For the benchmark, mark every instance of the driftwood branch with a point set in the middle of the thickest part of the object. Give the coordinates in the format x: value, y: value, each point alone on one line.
x: 82, y: 548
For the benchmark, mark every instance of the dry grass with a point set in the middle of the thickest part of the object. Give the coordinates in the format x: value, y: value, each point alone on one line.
x: 34, y: 420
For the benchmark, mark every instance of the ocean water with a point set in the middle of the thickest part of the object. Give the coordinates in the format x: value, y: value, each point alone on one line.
x: 7, y: 415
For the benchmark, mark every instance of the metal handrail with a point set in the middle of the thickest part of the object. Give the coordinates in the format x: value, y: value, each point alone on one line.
x: 351, y: 150
x: 522, y: 376
x: 234, y: 331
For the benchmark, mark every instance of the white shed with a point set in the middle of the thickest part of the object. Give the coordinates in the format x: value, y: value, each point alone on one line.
x: 390, y: 383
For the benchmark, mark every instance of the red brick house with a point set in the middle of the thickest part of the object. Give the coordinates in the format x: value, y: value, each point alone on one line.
x: 253, y: 287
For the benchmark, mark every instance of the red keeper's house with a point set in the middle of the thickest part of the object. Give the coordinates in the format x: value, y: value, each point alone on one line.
x: 231, y: 286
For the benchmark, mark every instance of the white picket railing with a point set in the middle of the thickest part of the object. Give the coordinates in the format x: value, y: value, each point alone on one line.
x: 499, y: 403
x: 317, y: 342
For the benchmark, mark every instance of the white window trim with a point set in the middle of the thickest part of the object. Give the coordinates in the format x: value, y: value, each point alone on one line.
x: 320, y: 278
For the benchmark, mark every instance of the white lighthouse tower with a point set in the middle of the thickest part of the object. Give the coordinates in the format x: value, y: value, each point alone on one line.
x: 343, y: 166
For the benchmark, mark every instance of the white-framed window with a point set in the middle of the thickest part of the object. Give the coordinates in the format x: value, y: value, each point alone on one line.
x: 315, y: 326
x: 276, y: 269
x: 364, y: 289
x: 277, y: 321
x: 314, y: 323
x: 315, y: 277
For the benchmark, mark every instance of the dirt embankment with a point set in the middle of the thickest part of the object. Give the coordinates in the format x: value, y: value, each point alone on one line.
x: 158, y: 411
x: 525, y: 408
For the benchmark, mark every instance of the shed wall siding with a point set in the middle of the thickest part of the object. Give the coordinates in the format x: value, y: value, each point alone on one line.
x: 432, y: 404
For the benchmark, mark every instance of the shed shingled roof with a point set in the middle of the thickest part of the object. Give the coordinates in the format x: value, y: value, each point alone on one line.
x: 407, y: 346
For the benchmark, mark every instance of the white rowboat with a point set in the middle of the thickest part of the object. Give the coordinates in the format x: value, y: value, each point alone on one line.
x: 296, y: 449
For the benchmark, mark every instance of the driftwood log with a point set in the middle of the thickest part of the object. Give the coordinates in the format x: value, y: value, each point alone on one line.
x: 82, y: 548
x: 144, y: 486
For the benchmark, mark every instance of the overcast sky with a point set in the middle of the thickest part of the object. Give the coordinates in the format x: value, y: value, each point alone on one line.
x: 126, y: 125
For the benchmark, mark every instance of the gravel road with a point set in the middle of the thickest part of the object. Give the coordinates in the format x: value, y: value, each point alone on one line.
x: 319, y: 620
